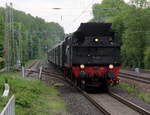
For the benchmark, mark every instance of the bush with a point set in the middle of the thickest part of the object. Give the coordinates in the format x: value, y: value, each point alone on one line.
x: 32, y: 96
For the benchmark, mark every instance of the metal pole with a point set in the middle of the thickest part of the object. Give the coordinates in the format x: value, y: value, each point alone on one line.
x: 40, y: 72
x: 7, y: 59
x: 20, y: 43
x: 23, y: 72
x: 12, y: 35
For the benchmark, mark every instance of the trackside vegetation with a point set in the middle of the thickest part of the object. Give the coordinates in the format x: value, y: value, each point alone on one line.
x: 32, y: 96
x: 135, y: 92
x: 132, y: 22
x: 29, y: 37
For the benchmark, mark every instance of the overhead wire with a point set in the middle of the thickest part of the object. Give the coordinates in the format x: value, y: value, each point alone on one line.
x: 72, y: 22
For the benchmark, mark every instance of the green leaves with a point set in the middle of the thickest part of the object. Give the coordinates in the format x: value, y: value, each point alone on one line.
x: 134, y: 37
x: 132, y: 23
x: 30, y: 37
x: 147, y: 58
x: 33, y: 97
x: 107, y: 9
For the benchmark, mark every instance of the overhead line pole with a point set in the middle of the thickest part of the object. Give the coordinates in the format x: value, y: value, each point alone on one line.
x: 12, y: 35
x: 6, y: 49
x: 9, y: 38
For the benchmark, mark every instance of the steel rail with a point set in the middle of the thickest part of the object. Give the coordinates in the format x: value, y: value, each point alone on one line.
x: 145, y: 71
x: 136, y: 78
x: 141, y: 70
x: 30, y: 66
x: 47, y: 73
x: 139, y: 76
x: 103, y: 110
x: 130, y: 104
x: 119, y: 98
x: 59, y: 76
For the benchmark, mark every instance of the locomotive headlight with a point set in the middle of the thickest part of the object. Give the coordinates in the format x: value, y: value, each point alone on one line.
x: 82, y: 66
x: 96, y: 39
x: 111, y: 66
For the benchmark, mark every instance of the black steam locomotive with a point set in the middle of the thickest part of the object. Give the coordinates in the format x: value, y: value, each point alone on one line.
x: 90, y: 56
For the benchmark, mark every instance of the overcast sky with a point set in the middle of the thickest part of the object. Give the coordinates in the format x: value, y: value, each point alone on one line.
x: 71, y: 14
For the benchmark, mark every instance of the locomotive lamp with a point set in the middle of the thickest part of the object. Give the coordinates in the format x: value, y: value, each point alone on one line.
x: 111, y: 66
x: 82, y: 66
x: 96, y: 39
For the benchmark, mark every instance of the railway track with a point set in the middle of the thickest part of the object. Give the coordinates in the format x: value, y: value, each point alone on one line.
x: 32, y: 64
x: 145, y: 71
x: 59, y: 76
x: 116, y: 101
x: 130, y: 104
x: 143, y: 79
x: 140, y: 70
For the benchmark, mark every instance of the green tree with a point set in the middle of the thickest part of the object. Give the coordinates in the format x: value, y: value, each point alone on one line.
x: 1, y: 38
x: 32, y: 36
x: 132, y: 23
x: 107, y: 9
x: 147, y: 58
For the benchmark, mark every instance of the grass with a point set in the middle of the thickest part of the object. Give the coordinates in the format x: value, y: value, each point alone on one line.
x: 136, y: 92
x: 32, y: 96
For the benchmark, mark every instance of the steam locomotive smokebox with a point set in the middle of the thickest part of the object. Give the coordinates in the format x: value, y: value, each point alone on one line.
x: 94, y: 29
x: 95, y: 44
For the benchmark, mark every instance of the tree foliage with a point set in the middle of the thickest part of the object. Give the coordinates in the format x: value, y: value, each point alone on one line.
x: 1, y: 38
x: 30, y: 38
x: 132, y: 22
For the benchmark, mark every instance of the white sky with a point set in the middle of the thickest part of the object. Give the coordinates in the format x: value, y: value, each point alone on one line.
x: 71, y: 14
